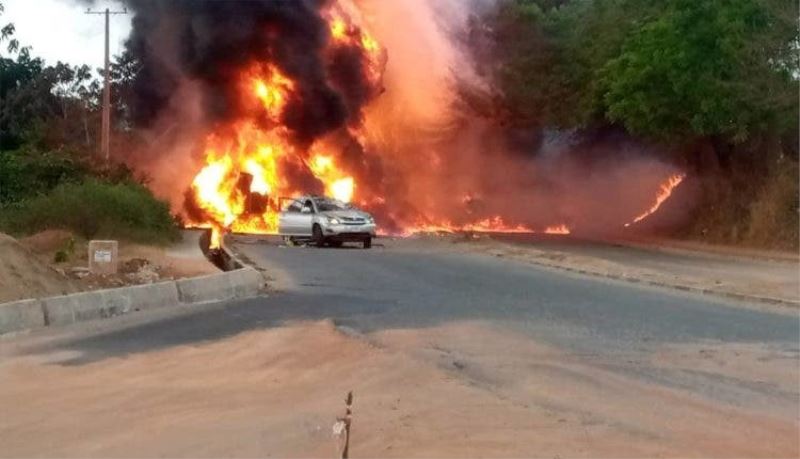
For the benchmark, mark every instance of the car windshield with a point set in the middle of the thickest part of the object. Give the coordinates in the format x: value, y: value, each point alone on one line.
x: 325, y: 205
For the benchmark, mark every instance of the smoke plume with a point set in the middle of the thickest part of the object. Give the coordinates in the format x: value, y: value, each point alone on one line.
x: 393, y: 124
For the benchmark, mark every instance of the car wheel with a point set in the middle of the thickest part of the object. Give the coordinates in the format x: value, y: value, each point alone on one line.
x: 367, y: 242
x: 317, y: 237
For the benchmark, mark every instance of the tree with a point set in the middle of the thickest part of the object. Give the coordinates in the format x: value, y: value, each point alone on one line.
x: 542, y: 57
x: 700, y: 69
x: 123, y: 71
x: 7, y: 33
x: 674, y: 70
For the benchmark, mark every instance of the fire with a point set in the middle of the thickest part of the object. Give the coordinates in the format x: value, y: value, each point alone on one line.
x: 247, y: 161
x: 343, y: 32
x: 337, y: 184
x: 664, y: 192
x: 348, y: 34
x: 559, y: 229
x: 270, y: 87
x: 338, y: 29
x: 208, y: 184
x: 253, y: 161
x: 234, y: 189
x: 494, y: 224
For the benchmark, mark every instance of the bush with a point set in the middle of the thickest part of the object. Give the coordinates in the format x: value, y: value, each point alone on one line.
x: 27, y: 172
x: 774, y: 221
x: 93, y: 209
x: 755, y: 207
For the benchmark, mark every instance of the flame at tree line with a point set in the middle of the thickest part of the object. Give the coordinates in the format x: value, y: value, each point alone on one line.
x: 664, y: 192
x: 251, y: 162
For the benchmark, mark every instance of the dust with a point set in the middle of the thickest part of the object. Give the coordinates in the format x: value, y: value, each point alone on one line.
x: 461, y: 389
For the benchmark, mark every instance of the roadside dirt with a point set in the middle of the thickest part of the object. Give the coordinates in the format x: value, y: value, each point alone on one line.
x: 23, y: 274
x: 771, y: 281
x: 29, y: 267
x: 464, y: 389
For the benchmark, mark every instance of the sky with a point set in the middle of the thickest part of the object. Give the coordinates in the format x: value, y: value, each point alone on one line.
x: 61, y: 29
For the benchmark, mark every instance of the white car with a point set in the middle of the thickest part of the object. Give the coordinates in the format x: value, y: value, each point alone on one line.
x: 323, y: 221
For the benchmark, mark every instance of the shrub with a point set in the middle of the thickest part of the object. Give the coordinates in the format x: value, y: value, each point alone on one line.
x: 27, y: 172
x: 754, y: 208
x: 774, y: 212
x: 66, y: 252
x: 93, y: 209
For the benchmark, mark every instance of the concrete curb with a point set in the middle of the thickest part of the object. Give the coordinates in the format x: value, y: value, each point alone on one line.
x: 672, y: 285
x: 21, y: 315
x: 239, y: 283
x: 99, y: 304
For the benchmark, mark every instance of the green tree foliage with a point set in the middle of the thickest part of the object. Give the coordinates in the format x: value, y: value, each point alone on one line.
x: 711, y: 68
x: 7, y: 34
x: 123, y: 70
x: 675, y: 70
x: 27, y: 172
x: 95, y: 208
x: 48, y: 128
x: 715, y: 81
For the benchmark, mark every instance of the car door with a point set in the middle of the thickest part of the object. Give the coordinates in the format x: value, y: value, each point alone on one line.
x: 304, y: 220
x: 287, y: 220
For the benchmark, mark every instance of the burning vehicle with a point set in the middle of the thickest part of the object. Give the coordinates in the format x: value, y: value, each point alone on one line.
x: 325, y: 221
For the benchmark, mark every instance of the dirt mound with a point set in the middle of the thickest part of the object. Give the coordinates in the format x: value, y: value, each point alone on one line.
x: 23, y: 275
x: 47, y: 241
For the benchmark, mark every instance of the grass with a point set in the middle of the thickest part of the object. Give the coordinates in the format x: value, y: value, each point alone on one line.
x: 94, y: 209
x: 752, y: 210
x: 773, y: 215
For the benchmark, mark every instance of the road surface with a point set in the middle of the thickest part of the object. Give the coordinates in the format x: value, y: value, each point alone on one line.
x: 449, y: 353
x: 727, y: 269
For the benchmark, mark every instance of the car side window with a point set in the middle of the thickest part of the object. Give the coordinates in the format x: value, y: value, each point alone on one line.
x: 308, y: 207
x: 294, y: 207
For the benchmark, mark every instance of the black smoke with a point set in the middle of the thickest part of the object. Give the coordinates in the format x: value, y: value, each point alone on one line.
x: 212, y: 41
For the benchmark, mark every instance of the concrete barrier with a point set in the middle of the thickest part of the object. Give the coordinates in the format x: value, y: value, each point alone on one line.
x: 21, y: 315
x: 79, y: 307
x: 101, y: 304
x: 229, y: 285
x: 246, y: 282
x: 151, y: 296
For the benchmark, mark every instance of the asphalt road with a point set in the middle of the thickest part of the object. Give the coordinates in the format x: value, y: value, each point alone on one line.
x: 408, y: 286
x: 780, y: 278
x: 730, y: 355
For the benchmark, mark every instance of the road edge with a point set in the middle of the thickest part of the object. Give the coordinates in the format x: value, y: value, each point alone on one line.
x: 632, y: 278
x: 36, y: 313
x: 660, y: 283
x: 241, y: 281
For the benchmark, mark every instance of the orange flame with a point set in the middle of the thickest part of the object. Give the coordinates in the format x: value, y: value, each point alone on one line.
x: 664, y: 192
x: 337, y: 184
x: 270, y: 87
x: 559, y: 229
x: 488, y: 225
x: 244, y: 175
x: 242, y: 181
x: 235, y: 186
x: 348, y: 34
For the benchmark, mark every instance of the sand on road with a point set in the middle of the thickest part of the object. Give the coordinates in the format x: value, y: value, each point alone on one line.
x: 459, y: 389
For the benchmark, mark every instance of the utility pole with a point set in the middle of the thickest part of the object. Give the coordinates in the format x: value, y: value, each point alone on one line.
x: 105, y: 135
